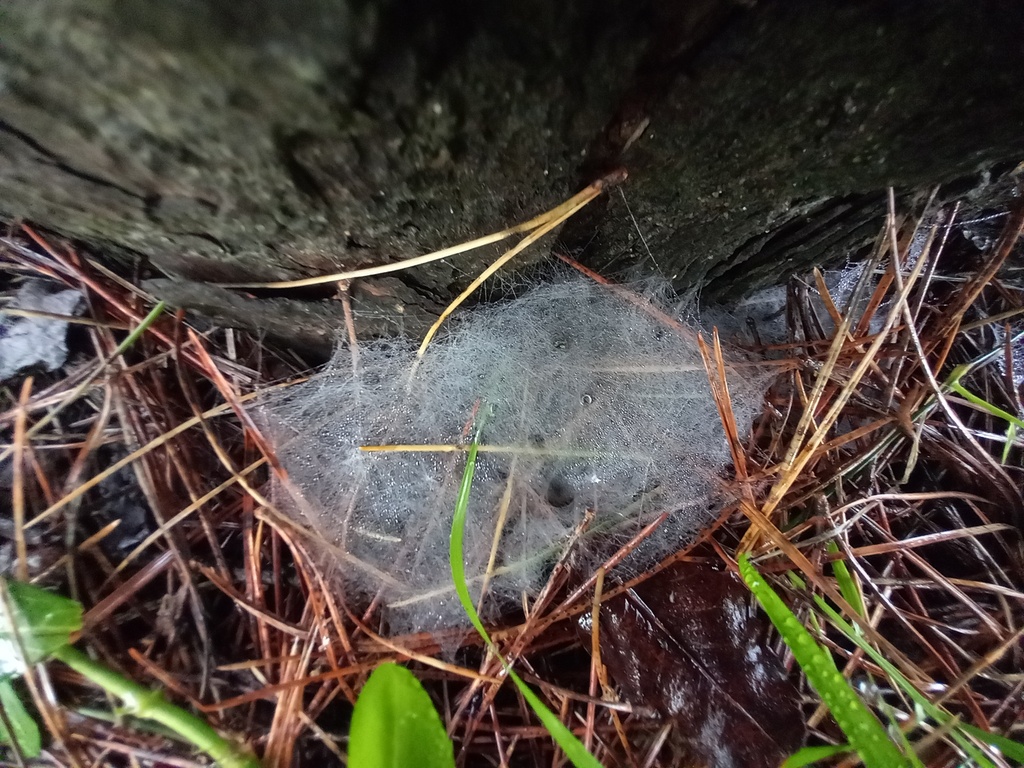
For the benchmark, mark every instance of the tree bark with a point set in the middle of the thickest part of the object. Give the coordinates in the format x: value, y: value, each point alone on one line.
x: 219, y: 141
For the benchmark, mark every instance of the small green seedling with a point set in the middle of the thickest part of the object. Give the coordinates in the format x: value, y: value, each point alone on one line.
x: 54, y: 620
x: 395, y: 725
x: 37, y: 625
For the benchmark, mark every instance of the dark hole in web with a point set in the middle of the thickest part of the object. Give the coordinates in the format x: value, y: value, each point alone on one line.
x: 560, y: 494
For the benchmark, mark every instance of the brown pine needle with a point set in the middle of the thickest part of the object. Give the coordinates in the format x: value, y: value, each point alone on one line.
x: 18, y: 491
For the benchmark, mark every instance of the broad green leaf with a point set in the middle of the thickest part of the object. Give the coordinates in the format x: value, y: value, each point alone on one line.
x: 573, y: 747
x: 33, y: 624
x: 861, y: 727
x: 395, y: 725
x: 26, y: 732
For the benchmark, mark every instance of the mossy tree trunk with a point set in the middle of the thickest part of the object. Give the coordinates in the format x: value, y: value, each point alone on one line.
x: 223, y: 141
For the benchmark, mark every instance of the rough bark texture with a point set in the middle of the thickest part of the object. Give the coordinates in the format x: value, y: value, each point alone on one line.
x: 226, y: 141
x: 776, y: 151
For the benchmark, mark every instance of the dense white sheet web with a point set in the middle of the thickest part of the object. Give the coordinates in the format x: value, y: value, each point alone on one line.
x: 592, y: 402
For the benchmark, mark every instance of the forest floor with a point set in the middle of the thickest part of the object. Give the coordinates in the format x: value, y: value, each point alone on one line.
x: 884, y: 476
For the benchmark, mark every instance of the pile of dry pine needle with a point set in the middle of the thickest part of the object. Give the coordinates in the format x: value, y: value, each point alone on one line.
x: 136, y: 488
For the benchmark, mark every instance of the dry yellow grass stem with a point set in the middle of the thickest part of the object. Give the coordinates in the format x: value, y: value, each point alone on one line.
x: 557, y: 213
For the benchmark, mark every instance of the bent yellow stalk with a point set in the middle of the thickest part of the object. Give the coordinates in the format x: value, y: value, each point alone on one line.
x: 559, y: 212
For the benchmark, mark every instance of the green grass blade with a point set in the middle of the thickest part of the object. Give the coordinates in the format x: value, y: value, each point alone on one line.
x: 985, y: 405
x: 24, y: 731
x: 844, y: 580
x: 901, y: 738
x: 1011, y: 438
x: 1012, y: 421
x: 1008, y: 747
x: 861, y: 727
x: 1012, y: 749
x: 811, y: 755
x: 456, y: 543
x: 573, y: 747
x: 394, y: 724
x: 141, y: 328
